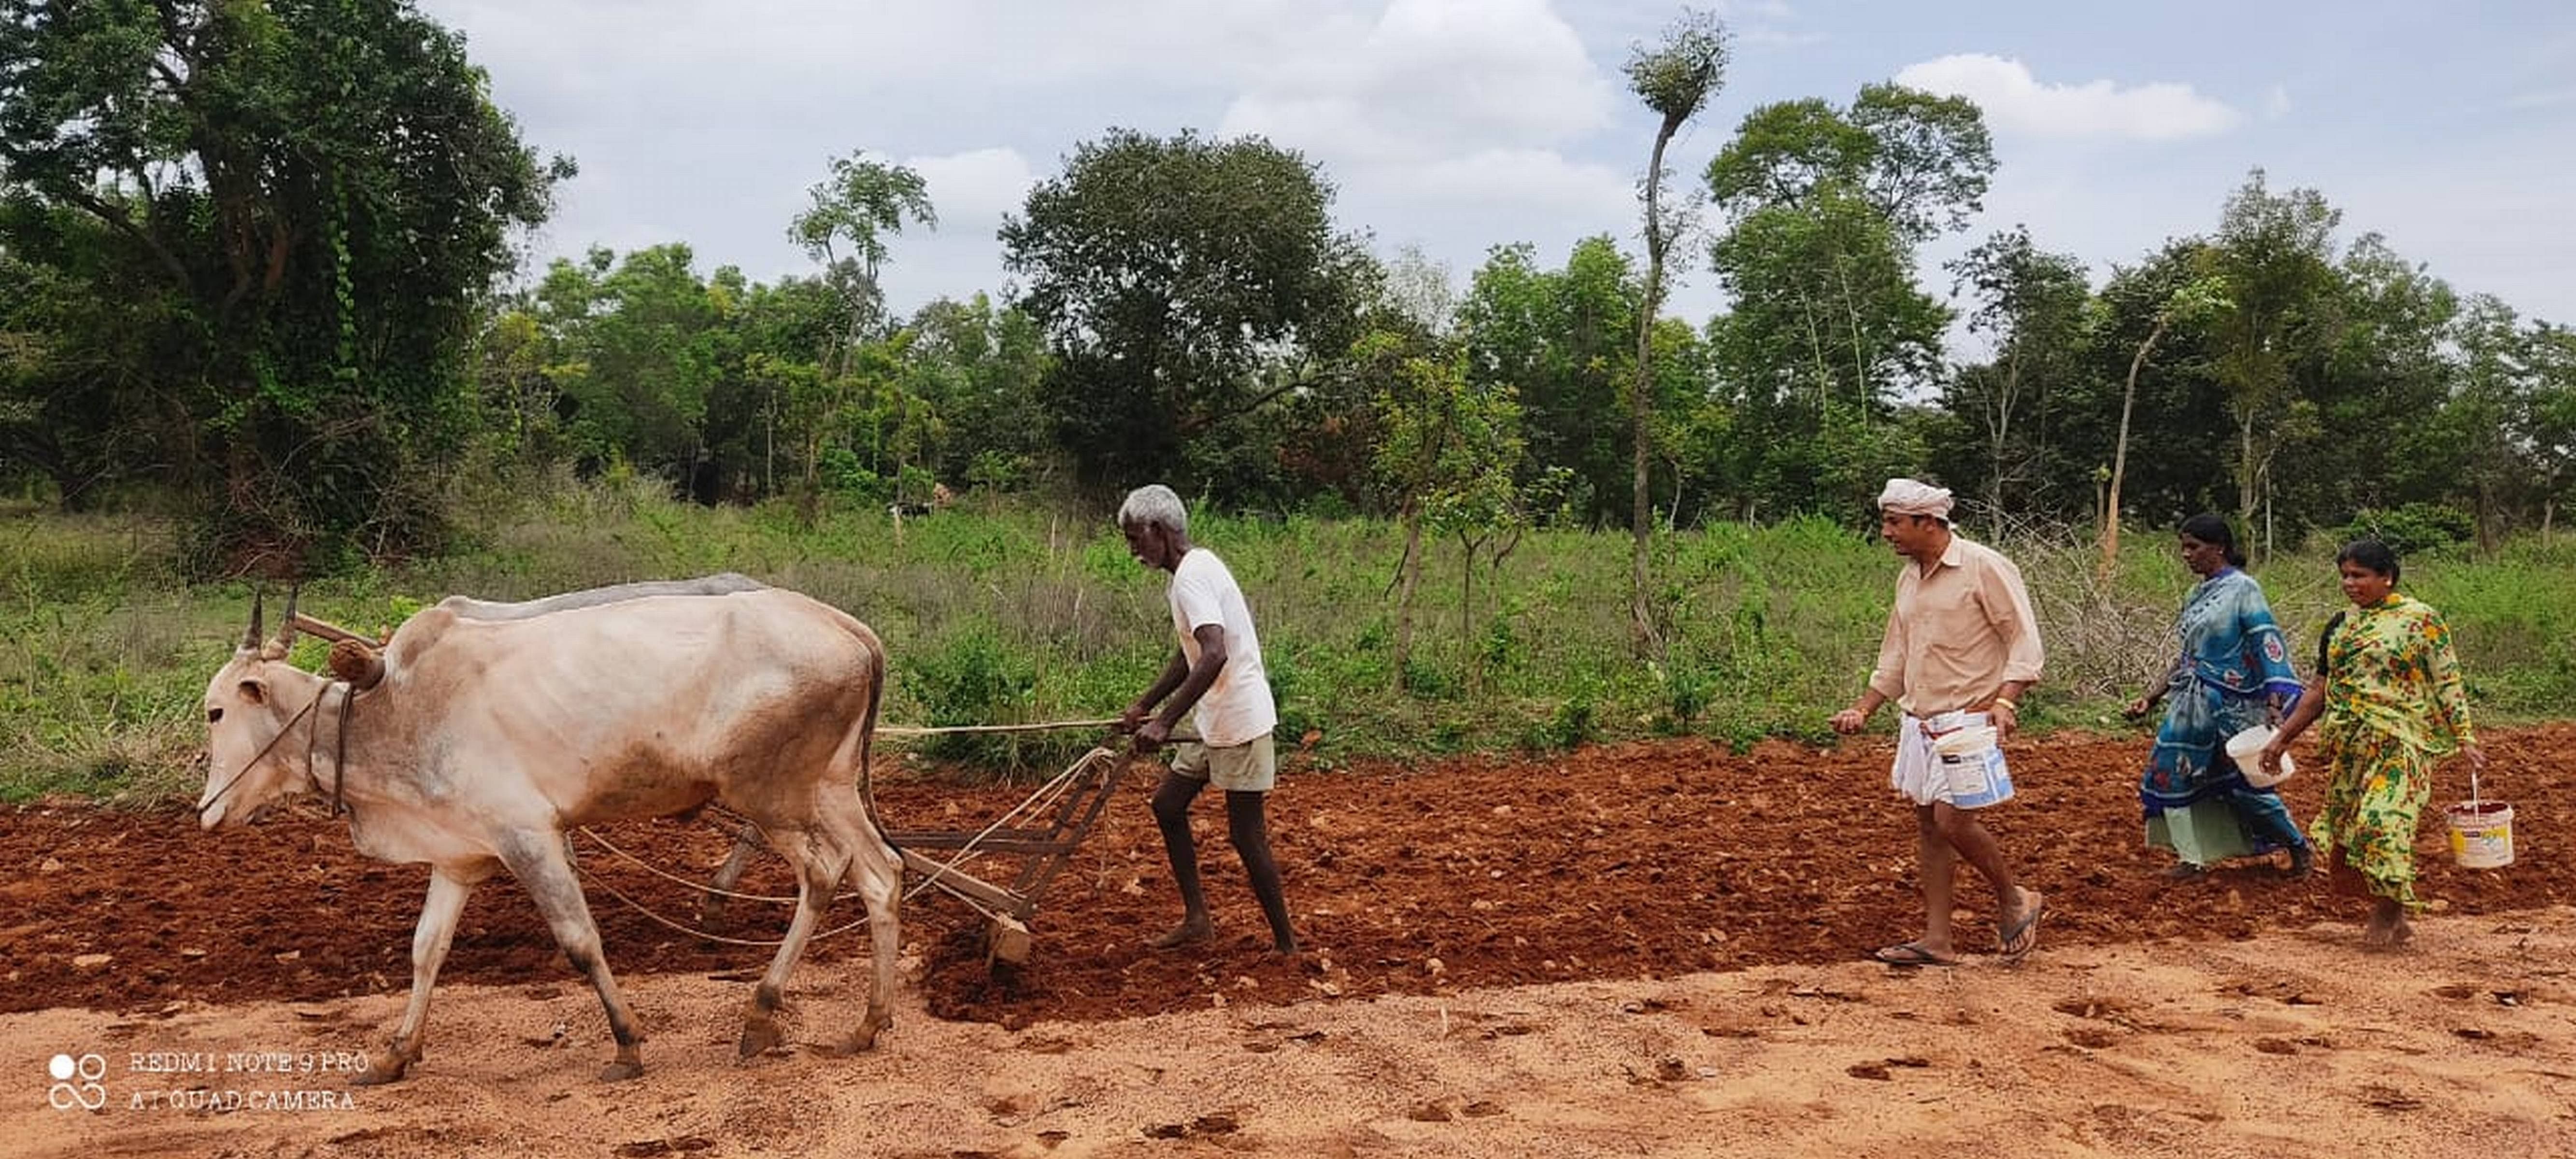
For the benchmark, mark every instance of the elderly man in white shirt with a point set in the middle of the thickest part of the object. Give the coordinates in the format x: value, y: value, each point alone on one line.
x: 1217, y: 678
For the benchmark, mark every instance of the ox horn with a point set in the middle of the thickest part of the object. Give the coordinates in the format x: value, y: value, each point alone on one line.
x: 250, y: 639
x: 286, y: 626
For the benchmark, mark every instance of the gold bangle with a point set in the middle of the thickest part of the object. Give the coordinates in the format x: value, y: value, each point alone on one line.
x: 2006, y: 703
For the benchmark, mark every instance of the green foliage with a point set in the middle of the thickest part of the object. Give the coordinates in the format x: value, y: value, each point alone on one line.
x: 1183, y: 285
x: 1016, y: 616
x: 970, y: 679
x: 2412, y: 528
x: 263, y: 232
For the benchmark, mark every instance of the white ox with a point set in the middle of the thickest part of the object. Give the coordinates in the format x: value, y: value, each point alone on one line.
x: 485, y: 730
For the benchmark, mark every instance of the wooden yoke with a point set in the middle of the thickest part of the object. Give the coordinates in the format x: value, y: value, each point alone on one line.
x: 354, y: 658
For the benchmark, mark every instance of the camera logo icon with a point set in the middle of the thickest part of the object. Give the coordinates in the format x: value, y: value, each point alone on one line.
x: 77, y: 1082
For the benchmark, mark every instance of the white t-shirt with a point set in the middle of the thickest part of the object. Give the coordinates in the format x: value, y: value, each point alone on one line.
x: 1237, y: 709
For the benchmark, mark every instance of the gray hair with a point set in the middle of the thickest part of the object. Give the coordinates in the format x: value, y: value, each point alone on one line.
x: 1151, y: 504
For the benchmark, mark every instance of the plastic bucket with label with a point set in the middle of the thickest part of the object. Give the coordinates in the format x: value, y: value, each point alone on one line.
x: 2482, y: 834
x: 1972, y: 766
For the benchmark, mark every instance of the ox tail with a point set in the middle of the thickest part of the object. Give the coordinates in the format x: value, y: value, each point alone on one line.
x: 868, y: 731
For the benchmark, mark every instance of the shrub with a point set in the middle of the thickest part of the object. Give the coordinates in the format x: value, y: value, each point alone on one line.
x: 2412, y: 528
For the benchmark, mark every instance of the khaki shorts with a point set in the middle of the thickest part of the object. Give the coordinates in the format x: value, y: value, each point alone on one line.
x: 1250, y: 767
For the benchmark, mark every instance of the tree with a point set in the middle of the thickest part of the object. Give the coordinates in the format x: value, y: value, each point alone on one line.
x: 1675, y: 79
x: 2490, y: 411
x: 979, y: 366
x: 319, y: 196
x: 2032, y: 304
x: 1449, y: 449
x: 2552, y: 421
x: 1559, y: 339
x: 1825, y: 208
x: 2388, y: 370
x: 2275, y: 257
x: 1921, y: 162
x: 2172, y: 295
x: 1184, y: 284
x: 855, y: 210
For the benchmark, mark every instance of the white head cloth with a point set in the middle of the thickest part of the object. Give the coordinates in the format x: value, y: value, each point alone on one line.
x: 1908, y: 497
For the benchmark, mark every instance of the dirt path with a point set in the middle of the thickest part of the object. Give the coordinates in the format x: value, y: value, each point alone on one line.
x: 1636, y: 949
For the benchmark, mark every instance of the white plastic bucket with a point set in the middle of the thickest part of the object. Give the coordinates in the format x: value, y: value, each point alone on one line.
x: 2482, y: 834
x: 2246, y: 749
x: 1972, y: 766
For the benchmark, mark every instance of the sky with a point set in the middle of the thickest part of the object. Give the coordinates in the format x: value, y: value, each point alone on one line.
x: 1451, y: 126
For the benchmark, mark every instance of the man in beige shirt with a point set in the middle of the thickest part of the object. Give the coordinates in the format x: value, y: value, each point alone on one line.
x: 1961, y: 645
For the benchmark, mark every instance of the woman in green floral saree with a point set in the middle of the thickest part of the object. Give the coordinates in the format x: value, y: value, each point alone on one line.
x: 2389, y: 689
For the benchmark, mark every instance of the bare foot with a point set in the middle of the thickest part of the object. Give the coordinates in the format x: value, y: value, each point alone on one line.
x: 2388, y: 927
x: 1185, y: 934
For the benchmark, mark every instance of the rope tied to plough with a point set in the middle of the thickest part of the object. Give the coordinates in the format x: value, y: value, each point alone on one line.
x: 1043, y: 797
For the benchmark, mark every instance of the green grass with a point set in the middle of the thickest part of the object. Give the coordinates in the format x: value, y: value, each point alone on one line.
x: 1017, y: 615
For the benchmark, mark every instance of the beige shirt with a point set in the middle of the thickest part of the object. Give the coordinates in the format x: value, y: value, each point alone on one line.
x: 1956, y: 636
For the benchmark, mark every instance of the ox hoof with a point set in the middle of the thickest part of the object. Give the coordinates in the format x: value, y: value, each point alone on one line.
x: 383, y: 1067
x: 759, y: 1036
x: 620, y: 1071
x: 860, y: 1042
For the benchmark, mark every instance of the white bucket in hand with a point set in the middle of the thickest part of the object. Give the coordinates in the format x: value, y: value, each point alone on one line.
x: 2482, y: 834
x: 2246, y: 749
x: 1971, y: 765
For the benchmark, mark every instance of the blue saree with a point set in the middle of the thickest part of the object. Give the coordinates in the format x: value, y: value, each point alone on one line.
x: 2233, y: 659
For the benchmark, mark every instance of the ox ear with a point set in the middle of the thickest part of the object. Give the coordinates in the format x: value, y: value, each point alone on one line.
x: 254, y: 691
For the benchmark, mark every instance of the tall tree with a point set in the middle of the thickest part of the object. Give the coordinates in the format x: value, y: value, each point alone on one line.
x: 2490, y: 411
x: 1559, y: 339
x: 2031, y: 304
x: 323, y: 193
x: 2552, y: 430
x: 846, y: 222
x: 2163, y: 294
x: 1184, y: 284
x: 2275, y: 256
x: 1825, y: 207
x: 1674, y: 79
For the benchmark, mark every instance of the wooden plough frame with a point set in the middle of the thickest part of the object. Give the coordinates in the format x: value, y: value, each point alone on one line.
x: 1053, y: 823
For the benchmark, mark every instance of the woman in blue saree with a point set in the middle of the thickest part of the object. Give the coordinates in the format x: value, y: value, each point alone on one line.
x: 2233, y: 673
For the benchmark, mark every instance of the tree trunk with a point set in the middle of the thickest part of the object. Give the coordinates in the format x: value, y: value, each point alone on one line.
x: 1473, y: 663
x: 1641, y: 632
x: 2120, y: 455
x: 1409, y: 572
x: 2248, y: 484
x: 2001, y: 428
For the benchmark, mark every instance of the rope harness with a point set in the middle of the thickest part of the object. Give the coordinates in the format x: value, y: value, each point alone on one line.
x: 1044, y: 797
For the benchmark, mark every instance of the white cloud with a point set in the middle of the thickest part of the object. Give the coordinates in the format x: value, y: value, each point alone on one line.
x: 1430, y: 78
x: 2015, y: 101
x: 2276, y: 103
x: 976, y: 187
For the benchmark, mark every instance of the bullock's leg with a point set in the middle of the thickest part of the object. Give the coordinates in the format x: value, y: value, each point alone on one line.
x: 448, y: 889
x: 538, y: 860
x: 746, y: 845
x: 877, y: 874
x: 819, y: 867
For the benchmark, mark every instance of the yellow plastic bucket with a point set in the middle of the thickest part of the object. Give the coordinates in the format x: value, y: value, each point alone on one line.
x: 2482, y: 834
